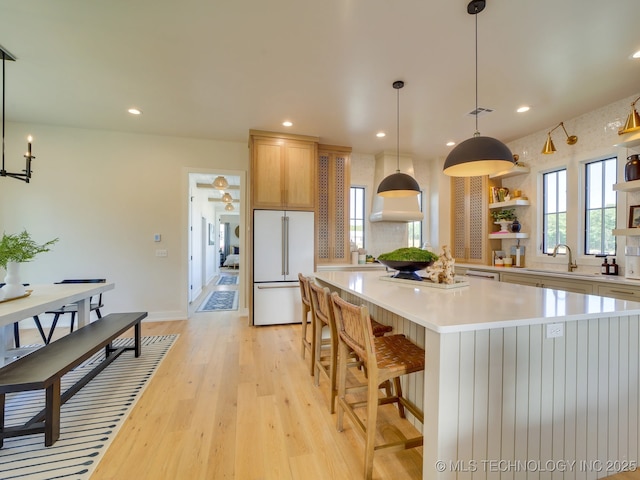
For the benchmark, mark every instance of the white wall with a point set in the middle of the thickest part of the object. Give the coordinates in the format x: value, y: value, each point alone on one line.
x: 105, y: 194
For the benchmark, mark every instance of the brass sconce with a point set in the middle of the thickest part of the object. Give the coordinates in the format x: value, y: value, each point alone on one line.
x: 633, y: 121
x: 549, y: 147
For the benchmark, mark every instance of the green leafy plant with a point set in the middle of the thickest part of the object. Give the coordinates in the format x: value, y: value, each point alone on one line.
x: 20, y: 247
x: 410, y: 254
x: 505, y: 215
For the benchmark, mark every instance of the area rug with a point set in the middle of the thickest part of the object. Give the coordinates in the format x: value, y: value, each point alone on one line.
x: 227, y: 280
x: 220, y: 300
x: 89, y: 421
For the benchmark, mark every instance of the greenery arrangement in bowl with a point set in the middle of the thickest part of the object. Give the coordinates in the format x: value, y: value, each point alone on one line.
x: 20, y: 247
x: 504, y: 215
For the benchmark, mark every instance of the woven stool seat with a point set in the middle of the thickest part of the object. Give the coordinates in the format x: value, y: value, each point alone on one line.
x: 384, y: 359
x: 398, y: 354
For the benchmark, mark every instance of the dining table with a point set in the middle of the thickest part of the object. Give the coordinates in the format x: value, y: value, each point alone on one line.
x: 42, y: 298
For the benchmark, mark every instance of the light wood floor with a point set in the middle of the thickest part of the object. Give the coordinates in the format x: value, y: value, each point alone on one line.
x: 237, y: 402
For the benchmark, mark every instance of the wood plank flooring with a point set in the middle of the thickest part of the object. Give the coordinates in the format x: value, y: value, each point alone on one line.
x: 237, y: 402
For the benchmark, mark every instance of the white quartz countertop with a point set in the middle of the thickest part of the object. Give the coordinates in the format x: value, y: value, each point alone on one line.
x: 481, y: 305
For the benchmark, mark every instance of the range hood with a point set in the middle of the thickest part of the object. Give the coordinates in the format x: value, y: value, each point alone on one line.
x: 406, y: 209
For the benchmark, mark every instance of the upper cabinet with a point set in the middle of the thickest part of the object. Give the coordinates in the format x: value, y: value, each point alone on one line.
x: 332, y: 219
x: 283, y: 171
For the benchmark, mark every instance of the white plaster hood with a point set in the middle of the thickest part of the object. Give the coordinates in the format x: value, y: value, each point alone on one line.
x: 405, y: 209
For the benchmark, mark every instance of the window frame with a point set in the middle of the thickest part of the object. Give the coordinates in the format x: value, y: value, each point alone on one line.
x: 364, y: 213
x: 544, y: 249
x: 584, y: 204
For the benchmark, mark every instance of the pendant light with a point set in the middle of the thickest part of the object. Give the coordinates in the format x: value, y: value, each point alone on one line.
x: 220, y: 183
x: 227, y: 198
x: 25, y: 175
x: 478, y: 155
x: 398, y: 184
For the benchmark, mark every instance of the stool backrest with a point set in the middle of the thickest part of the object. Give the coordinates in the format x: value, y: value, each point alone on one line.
x: 304, y: 290
x: 322, y: 308
x: 354, y: 327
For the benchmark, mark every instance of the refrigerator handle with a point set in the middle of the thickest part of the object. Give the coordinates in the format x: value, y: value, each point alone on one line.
x: 283, y: 231
x: 286, y: 246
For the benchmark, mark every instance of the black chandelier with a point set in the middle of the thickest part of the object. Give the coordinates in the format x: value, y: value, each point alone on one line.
x: 26, y: 175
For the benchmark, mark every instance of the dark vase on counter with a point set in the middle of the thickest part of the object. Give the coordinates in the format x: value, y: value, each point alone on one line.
x: 632, y: 168
x: 515, y: 226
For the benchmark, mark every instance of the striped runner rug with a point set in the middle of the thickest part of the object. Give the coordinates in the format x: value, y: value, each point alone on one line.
x: 89, y: 421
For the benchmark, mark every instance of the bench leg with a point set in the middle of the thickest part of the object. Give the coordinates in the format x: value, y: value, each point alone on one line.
x: 52, y: 414
x: 136, y: 334
x: 1, y: 419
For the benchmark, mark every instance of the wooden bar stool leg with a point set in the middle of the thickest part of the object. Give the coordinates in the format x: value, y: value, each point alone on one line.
x: 343, y: 353
x: 398, y: 391
x: 372, y: 419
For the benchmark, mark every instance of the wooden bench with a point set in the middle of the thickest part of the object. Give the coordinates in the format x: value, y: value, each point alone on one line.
x: 43, y: 369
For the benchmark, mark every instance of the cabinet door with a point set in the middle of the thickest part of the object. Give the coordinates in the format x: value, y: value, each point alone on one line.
x: 333, y: 207
x: 300, y: 175
x: 470, y: 220
x: 267, y: 172
x: 623, y: 292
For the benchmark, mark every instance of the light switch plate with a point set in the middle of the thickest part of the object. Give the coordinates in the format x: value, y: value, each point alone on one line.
x: 161, y: 253
x: 157, y: 237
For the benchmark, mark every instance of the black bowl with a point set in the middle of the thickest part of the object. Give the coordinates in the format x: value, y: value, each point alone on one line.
x: 406, y: 268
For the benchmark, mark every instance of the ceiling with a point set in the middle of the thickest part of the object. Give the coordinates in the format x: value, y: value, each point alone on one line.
x: 215, y: 69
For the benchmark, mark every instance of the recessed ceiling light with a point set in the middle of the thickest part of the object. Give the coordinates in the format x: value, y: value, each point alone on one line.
x: 450, y: 144
x: 522, y: 109
x: 636, y: 55
x: 287, y: 124
x: 381, y: 134
x: 135, y: 111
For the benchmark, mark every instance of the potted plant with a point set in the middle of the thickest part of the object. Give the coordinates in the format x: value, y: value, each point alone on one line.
x: 503, y: 218
x: 15, y: 249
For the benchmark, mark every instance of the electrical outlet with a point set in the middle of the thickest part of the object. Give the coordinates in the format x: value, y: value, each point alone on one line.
x: 161, y: 253
x: 555, y: 330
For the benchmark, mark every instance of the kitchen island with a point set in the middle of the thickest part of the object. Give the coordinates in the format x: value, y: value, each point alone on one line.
x: 519, y: 381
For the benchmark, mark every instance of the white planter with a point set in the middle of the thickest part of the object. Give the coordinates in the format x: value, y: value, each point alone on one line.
x: 13, y: 286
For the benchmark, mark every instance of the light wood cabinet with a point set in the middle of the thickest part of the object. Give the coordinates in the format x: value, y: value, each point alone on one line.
x: 332, y: 213
x: 623, y: 292
x: 471, y: 222
x: 283, y: 171
x: 577, y: 286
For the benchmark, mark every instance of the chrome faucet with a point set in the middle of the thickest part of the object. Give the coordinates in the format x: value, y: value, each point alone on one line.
x: 572, y: 265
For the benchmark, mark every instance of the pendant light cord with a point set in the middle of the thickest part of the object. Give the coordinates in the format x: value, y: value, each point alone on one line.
x: 476, y: 17
x: 398, y: 132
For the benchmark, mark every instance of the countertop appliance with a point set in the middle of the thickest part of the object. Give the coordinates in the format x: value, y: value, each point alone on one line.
x: 283, y: 246
x: 632, y: 262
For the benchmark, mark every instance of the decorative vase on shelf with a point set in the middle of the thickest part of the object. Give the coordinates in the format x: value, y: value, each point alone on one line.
x: 515, y: 226
x: 632, y: 168
x: 13, y: 286
x: 504, y: 226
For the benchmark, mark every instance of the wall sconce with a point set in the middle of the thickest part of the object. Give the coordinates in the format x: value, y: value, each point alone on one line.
x: 220, y: 183
x: 26, y: 175
x: 549, y: 147
x: 227, y: 198
x: 633, y: 121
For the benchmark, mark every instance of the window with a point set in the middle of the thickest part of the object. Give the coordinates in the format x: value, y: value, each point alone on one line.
x: 356, y: 216
x: 554, y: 214
x: 600, y: 207
x: 415, y: 229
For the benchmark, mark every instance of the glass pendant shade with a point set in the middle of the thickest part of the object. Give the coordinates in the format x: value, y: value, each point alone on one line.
x: 478, y: 156
x: 227, y: 198
x: 220, y: 183
x: 228, y: 207
x: 398, y: 185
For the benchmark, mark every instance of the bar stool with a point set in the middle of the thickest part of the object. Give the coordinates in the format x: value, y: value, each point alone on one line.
x: 322, y: 311
x: 385, y: 358
x: 306, y: 310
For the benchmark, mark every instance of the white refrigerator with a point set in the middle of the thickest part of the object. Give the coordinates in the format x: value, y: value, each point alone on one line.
x: 283, y: 246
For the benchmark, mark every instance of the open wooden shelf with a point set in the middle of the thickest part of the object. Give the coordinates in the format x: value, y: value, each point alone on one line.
x: 505, y: 236
x: 632, y: 186
x: 626, y: 232
x: 510, y: 203
x: 515, y: 170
